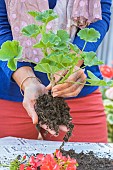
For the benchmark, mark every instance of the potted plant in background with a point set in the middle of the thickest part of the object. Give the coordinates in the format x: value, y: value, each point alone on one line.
x: 107, y: 93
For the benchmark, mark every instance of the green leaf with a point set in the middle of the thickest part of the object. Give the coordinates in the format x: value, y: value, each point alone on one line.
x: 90, y: 59
x: 33, y: 13
x: 60, y: 57
x: 52, y: 63
x: 9, y: 50
x: 89, y: 34
x: 50, y: 39
x: 74, y: 47
x: 61, y: 47
x: 31, y: 30
x: 45, y: 16
x: 95, y: 81
x: 63, y: 35
x: 110, y: 119
x: 110, y: 83
x: 12, y: 64
x: 39, y: 45
x: 46, y: 68
x: 108, y: 102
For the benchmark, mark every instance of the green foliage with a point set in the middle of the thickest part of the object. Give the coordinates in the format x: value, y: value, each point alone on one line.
x: 74, y: 48
x: 64, y: 36
x: 108, y: 104
x: 95, y: 81
x: 14, y: 164
x: 11, y: 51
x: 48, y: 40
x: 89, y: 35
x: 110, y: 83
x: 31, y: 30
x: 59, y: 53
x: 90, y: 59
x: 47, y: 68
x: 45, y: 16
x: 109, y: 109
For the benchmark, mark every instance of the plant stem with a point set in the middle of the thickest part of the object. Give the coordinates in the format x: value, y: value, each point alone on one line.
x: 66, y: 76
x: 45, y: 52
x: 52, y: 80
x: 84, y: 45
x: 79, y: 69
x: 4, y: 165
x: 49, y: 76
x: 76, y: 83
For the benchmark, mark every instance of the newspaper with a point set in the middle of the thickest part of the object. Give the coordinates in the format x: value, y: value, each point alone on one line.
x: 11, y: 147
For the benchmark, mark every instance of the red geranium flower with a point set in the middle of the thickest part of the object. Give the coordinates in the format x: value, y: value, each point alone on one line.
x: 106, y: 71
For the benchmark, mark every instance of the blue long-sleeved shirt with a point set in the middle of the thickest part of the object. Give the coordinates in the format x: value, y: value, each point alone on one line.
x: 9, y: 90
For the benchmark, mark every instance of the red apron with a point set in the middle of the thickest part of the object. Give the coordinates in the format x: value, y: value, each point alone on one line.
x: 87, y: 112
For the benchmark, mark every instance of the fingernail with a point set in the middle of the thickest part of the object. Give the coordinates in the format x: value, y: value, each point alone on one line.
x: 54, y: 95
x: 55, y: 90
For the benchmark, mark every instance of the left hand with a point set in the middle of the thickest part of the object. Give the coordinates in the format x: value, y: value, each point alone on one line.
x: 70, y: 89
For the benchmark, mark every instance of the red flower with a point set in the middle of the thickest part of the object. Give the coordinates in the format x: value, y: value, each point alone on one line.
x: 106, y: 71
x: 29, y: 168
x: 71, y: 167
x: 22, y: 166
x: 49, y: 163
x: 33, y: 163
x: 24, y: 157
x: 54, y: 161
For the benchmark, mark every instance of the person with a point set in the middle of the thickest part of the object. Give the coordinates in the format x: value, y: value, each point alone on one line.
x: 17, y: 115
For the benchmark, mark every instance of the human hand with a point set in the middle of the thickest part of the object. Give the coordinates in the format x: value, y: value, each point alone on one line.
x: 69, y: 88
x: 32, y: 90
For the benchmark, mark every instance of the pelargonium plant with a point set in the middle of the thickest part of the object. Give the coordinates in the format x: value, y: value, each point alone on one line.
x: 59, y: 53
x: 55, y: 161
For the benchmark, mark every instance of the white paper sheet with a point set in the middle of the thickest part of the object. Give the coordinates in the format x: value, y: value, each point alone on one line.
x: 11, y: 147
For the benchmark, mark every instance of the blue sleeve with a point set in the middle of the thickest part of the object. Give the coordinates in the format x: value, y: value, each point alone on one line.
x: 6, y: 34
x: 102, y: 26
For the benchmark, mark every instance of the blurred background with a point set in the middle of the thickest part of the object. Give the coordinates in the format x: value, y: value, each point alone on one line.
x: 105, y: 53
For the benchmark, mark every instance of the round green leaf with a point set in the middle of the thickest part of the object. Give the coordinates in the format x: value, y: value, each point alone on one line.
x: 89, y: 35
x: 31, y: 30
x: 10, y: 49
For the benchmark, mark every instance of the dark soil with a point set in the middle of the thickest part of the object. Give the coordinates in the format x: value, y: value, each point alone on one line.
x: 54, y: 112
x: 89, y: 161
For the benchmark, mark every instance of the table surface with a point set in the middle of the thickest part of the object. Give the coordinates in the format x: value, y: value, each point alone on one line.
x: 11, y: 147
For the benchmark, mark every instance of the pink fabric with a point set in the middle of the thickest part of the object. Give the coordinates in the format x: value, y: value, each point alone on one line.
x: 87, y: 112
x: 72, y: 14
x: 14, y: 121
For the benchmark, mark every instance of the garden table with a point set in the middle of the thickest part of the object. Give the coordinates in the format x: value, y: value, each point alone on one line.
x: 11, y: 147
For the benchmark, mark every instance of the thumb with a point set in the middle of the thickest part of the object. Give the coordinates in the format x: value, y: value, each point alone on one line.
x: 32, y: 114
x: 35, y: 118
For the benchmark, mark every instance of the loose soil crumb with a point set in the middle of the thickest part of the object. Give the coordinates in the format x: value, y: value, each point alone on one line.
x: 54, y: 112
x: 89, y: 161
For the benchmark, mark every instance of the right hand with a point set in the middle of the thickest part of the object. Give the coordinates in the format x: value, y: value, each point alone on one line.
x: 32, y: 90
